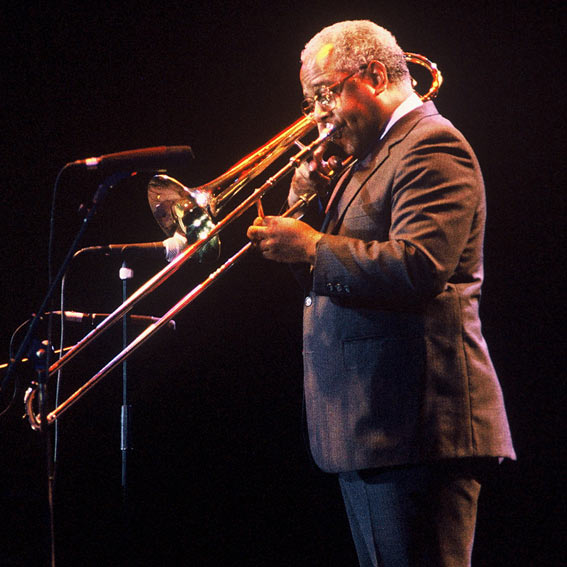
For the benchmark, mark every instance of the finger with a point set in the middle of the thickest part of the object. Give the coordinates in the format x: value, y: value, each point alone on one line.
x: 318, y: 168
x: 316, y: 171
x: 312, y: 167
x: 255, y: 233
x: 318, y: 154
x: 270, y: 222
x: 266, y: 248
x: 265, y: 245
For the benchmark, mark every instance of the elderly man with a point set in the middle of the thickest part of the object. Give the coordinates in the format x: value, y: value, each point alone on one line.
x: 401, y: 397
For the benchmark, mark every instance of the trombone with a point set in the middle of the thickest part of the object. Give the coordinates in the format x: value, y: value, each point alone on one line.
x: 191, y: 212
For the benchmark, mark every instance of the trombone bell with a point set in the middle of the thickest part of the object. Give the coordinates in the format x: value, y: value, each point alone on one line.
x: 178, y: 209
x: 191, y: 212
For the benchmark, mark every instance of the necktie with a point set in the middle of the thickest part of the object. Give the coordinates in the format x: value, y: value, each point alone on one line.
x: 331, y: 208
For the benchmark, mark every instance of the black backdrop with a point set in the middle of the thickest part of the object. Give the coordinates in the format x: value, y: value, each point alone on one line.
x: 219, y: 472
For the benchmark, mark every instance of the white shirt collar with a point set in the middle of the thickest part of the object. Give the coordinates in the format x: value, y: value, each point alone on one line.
x: 412, y: 102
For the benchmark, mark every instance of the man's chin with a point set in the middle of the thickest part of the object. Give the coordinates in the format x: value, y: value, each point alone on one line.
x: 347, y: 147
x: 347, y: 144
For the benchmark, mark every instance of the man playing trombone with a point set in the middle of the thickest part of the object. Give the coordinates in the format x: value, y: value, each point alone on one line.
x: 401, y: 397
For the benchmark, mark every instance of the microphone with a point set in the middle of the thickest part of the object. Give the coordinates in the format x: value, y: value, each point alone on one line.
x: 93, y: 318
x: 166, y: 249
x: 152, y: 159
x: 147, y: 249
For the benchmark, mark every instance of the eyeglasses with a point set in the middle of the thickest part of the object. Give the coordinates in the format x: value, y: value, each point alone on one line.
x: 327, y: 95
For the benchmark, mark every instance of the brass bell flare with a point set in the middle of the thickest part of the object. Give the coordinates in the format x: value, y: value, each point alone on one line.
x: 178, y: 209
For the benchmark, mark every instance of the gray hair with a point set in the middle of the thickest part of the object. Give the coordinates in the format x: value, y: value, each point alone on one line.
x: 358, y: 42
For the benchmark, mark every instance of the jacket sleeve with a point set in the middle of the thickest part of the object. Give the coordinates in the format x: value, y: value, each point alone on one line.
x: 433, y: 195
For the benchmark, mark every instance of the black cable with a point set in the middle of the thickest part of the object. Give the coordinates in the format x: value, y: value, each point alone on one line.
x: 10, y: 358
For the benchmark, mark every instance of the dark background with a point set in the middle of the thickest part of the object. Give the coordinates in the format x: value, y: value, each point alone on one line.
x: 219, y: 472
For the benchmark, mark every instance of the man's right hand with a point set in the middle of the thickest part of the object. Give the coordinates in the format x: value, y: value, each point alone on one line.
x: 311, y: 176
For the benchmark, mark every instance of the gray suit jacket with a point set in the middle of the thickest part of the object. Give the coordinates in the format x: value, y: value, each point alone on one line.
x: 396, y: 367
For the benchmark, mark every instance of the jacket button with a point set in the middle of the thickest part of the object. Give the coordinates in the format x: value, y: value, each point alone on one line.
x: 330, y: 287
x: 308, y: 301
x: 339, y: 287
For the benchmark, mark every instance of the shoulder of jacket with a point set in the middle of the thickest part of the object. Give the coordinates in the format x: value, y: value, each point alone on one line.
x: 429, y: 124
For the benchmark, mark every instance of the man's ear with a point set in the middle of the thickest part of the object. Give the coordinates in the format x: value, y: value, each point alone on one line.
x: 378, y: 75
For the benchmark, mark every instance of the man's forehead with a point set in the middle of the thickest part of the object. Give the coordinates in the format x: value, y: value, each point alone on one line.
x: 318, y: 65
x: 324, y: 55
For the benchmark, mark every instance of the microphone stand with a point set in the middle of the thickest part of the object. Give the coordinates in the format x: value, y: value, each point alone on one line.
x: 40, y: 361
x: 126, y: 273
